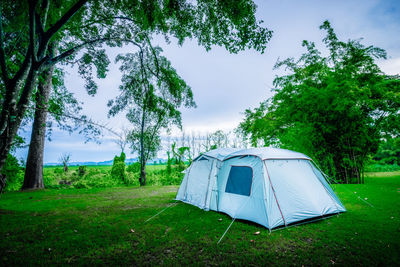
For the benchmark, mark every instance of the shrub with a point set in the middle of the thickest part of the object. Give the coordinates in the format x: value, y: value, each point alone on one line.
x: 377, y: 167
x: 58, y: 171
x: 134, y: 167
x: 81, y: 171
x: 118, y: 168
x: 13, y: 171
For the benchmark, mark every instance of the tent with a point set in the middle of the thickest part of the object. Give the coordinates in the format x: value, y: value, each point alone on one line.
x: 269, y: 186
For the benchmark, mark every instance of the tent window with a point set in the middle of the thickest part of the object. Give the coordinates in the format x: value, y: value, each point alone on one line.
x: 239, y: 180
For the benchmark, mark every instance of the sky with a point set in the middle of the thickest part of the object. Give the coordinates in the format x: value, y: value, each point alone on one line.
x: 224, y: 84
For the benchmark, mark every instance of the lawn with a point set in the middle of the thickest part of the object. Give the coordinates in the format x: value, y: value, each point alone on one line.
x: 105, y: 226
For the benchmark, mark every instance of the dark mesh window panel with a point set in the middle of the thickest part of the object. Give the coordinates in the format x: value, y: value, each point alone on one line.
x: 239, y: 180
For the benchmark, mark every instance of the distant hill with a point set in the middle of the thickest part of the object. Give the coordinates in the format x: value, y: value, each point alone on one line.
x: 106, y: 163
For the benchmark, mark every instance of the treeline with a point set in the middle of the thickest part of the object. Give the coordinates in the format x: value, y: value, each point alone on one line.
x: 198, y: 143
x: 336, y: 108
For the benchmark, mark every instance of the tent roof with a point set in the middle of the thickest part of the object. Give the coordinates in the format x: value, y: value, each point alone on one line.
x: 261, y: 152
x: 221, y: 153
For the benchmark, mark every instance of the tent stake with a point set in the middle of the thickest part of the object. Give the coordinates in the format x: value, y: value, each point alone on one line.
x: 226, y: 230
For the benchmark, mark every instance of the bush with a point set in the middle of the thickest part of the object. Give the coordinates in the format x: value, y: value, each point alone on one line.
x: 134, y: 168
x: 172, y: 176
x: 58, y: 171
x: 81, y: 171
x: 14, y: 174
x: 118, y: 168
x: 378, y: 167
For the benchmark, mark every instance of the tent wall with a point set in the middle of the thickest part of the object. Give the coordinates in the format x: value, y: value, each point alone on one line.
x: 195, y: 185
x: 299, y: 192
x: 327, y: 187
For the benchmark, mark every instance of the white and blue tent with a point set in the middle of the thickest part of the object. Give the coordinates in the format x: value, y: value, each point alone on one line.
x: 269, y: 186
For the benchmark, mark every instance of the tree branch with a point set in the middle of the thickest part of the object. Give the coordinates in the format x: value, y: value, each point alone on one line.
x: 155, y: 58
x: 32, y: 29
x: 64, y: 19
x: 3, y: 66
x: 48, y: 61
x: 84, y: 121
x: 38, y: 28
x: 45, y: 7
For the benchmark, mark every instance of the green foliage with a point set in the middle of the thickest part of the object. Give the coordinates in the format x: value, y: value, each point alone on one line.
x: 31, y: 29
x: 134, y: 167
x: 58, y: 170
x: 99, y: 226
x: 118, y: 168
x: 179, y: 155
x: 81, y: 171
x: 14, y: 173
x: 388, y: 151
x: 378, y: 167
x: 334, y: 109
x: 100, y: 177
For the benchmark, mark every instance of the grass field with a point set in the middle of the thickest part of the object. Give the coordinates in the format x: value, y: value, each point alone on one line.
x: 105, y: 226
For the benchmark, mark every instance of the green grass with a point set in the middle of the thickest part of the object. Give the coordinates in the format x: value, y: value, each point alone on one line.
x: 105, y: 226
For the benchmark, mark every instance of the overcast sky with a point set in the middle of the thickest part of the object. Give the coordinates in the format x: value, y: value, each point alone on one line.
x: 224, y: 84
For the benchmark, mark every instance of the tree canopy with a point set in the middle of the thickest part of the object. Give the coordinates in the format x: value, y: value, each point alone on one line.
x: 151, y: 93
x: 28, y: 29
x: 334, y: 108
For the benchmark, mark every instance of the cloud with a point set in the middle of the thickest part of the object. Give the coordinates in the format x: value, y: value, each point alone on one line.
x: 390, y: 66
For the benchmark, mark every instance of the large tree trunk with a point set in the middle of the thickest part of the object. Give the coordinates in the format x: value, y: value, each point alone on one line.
x: 11, y: 118
x: 34, y: 164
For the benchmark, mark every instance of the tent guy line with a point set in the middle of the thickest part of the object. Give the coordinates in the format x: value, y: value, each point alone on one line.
x: 172, y: 204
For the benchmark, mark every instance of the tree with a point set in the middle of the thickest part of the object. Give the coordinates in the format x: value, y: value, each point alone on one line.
x: 64, y: 159
x: 52, y: 97
x: 34, y: 163
x: 85, y: 24
x: 152, y: 92
x: 123, y: 138
x: 334, y: 108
